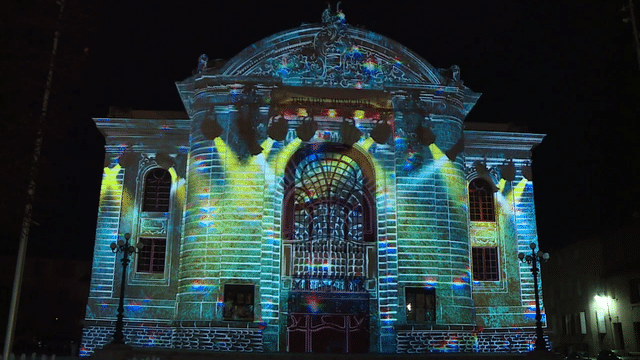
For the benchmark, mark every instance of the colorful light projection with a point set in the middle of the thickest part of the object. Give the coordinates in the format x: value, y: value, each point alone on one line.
x: 111, y: 198
x: 435, y: 172
x: 232, y: 231
x: 428, y: 186
x: 512, y: 232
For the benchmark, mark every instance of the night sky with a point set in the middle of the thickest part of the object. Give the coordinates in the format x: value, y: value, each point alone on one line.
x: 566, y: 69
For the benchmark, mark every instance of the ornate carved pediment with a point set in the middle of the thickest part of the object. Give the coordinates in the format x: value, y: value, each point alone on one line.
x: 333, y: 54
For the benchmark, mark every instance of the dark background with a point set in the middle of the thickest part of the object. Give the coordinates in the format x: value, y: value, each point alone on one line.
x: 566, y: 69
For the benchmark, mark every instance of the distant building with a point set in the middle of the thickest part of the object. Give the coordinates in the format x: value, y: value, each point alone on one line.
x: 320, y: 195
x: 593, y: 291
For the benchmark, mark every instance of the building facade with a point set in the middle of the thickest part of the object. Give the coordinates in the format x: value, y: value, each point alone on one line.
x: 593, y: 288
x: 321, y: 195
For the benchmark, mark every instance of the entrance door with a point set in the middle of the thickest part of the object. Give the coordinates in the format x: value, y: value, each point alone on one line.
x: 328, y: 333
x: 329, y: 252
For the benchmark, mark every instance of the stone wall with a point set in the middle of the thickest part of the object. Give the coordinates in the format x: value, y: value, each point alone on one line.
x: 487, y: 341
x: 208, y: 339
x: 415, y: 342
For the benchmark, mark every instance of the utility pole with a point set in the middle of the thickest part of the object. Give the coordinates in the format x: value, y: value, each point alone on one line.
x: 27, y: 219
x: 634, y: 27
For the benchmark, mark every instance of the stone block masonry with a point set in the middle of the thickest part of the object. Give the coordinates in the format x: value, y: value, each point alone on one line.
x: 486, y: 341
x: 193, y: 338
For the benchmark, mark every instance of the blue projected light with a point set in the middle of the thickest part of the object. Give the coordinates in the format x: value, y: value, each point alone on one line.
x: 325, y: 237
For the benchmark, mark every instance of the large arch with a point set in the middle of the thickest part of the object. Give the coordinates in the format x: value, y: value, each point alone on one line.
x: 329, y: 248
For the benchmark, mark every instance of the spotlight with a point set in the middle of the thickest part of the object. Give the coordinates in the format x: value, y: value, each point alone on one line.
x: 278, y: 128
x: 481, y: 168
x: 425, y: 136
x: 381, y: 132
x: 307, y: 129
x: 126, y: 159
x: 350, y: 133
x: 246, y: 130
x: 165, y: 161
x: 210, y: 127
x: 456, y: 149
x: 254, y: 148
x: 527, y: 172
x: 508, y: 171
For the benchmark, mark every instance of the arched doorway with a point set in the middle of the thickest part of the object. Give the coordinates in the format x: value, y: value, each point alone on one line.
x: 329, y: 251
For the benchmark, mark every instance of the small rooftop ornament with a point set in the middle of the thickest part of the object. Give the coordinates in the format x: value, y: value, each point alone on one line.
x: 202, y: 62
x: 328, y: 18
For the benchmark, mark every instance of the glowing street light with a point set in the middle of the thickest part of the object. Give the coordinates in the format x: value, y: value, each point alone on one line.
x: 533, y: 260
x: 603, y: 302
x: 126, y: 250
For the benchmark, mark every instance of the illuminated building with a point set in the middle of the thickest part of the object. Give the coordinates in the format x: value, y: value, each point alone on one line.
x: 320, y: 196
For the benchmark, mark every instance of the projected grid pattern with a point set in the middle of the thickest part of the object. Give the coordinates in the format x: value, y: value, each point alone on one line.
x: 302, y: 218
x: 104, y: 261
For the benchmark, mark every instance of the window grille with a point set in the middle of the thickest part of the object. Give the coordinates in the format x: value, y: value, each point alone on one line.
x: 152, y: 255
x: 329, y: 220
x: 485, y: 264
x: 157, y: 190
x: 238, y: 302
x: 421, y: 304
x: 481, y: 206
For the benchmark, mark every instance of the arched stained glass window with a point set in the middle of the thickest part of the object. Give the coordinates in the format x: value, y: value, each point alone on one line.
x: 329, y: 218
x: 157, y: 190
x: 481, y: 206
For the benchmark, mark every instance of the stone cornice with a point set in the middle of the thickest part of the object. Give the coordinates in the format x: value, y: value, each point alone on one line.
x: 500, y: 145
x: 144, y: 133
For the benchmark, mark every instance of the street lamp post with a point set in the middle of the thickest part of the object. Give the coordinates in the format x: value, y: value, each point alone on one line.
x: 534, y: 259
x: 126, y: 250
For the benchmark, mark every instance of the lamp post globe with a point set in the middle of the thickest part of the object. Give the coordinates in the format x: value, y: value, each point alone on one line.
x: 534, y: 259
x: 127, y: 251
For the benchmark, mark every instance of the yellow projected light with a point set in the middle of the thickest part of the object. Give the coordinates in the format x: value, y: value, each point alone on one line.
x: 455, y: 188
x: 501, y: 184
x: 267, y: 145
x: 367, y: 144
x: 512, y: 198
x: 111, y: 177
x: 436, y: 152
x: 517, y: 191
x: 237, y: 173
x: 177, y: 185
x: 285, y: 154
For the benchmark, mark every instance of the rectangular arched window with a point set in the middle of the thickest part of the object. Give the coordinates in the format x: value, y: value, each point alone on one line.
x: 485, y: 264
x: 157, y: 191
x: 152, y: 255
x: 421, y: 304
x: 481, y: 206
